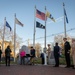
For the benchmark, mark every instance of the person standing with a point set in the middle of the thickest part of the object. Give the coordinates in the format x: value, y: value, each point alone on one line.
x: 32, y: 55
x: 42, y: 57
x: 0, y: 54
x: 49, y: 52
x: 67, y: 48
x: 7, y: 55
x: 56, y: 54
x: 22, y: 55
x: 73, y: 52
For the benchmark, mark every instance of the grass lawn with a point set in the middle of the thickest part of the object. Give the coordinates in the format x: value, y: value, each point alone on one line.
x: 38, y: 61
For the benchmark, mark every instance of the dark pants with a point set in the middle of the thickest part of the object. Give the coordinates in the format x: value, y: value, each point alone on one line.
x: 7, y: 60
x: 0, y: 59
x: 42, y: 60
x: 56, y: 60
x: 67, y: 57
x: 32, y: 60
x: 22, y: 60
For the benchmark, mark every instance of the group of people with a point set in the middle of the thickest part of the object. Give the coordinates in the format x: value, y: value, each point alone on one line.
x: 23, y: 55
x: 7, y: 55
x: 67, y: 48
x: 56, y: 52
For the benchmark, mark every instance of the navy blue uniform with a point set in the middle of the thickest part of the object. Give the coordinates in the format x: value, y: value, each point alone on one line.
x: 67, y: 53
x: 56, y: 55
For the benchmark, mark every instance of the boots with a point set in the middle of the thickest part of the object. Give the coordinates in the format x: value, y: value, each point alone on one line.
x: 73, y: 67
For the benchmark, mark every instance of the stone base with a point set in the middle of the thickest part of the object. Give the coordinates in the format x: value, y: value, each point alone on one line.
x: 51, y: 61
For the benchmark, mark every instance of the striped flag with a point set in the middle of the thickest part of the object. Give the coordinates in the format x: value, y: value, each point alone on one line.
x: 18, y: 22
x: 40, y: 15
x: 48, y: 14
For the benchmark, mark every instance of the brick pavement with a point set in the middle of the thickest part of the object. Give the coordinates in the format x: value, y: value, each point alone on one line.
x: 35, y: 70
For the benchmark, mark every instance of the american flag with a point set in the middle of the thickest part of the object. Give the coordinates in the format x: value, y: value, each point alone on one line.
x: 40, y: 15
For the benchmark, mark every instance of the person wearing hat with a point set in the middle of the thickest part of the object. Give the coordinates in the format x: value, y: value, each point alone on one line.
x: 73, y: 52
x: 67, y: 48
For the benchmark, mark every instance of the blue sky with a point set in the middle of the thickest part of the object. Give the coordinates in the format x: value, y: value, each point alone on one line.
x: 24, y: 10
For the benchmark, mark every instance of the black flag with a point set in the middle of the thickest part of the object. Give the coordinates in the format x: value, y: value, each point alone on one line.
x: 39, y: 25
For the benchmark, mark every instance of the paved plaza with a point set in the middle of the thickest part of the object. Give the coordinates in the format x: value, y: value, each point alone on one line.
x: 35, y: 70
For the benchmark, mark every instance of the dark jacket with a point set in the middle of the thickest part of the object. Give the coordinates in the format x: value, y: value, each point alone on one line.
x: 42, y: 55
x: 32, y: 53
x: 56, y: 51
x: 7, y: 51
x: 67, y: 47
x: 0, y: 53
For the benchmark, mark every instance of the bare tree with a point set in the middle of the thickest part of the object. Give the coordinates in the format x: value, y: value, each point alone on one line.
x: 9, y: 36
x: 38, y: 49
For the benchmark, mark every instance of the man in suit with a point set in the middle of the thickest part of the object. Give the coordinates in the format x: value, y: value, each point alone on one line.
x: 56, y: 54
x: 67, y: 52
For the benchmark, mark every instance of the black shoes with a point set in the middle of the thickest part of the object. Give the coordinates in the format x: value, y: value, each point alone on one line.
x: 67, y: 67
x: 73, y: 67
x: 56, y: 66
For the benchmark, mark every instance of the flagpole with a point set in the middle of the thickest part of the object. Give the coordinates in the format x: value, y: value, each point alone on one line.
x: 34, y: 27
x: 45, y: 41
x: 14, y: 35
x: 64, y: 21
x: 3, y: 36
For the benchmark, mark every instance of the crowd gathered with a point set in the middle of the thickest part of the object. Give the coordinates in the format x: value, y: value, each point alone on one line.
x: 68, y: 51
x: 68, y: 48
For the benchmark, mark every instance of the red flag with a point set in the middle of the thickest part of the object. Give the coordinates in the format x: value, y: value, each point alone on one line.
x: 40, y: 15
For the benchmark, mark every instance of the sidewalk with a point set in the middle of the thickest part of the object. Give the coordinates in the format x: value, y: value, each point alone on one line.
x: 35, y: 70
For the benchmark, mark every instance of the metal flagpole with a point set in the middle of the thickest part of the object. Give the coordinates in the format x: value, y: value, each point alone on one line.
x: 3, y: 35
x: 45, y: 62
x: 64, y: 21
x: 34, y: 27
x: 14, y: 35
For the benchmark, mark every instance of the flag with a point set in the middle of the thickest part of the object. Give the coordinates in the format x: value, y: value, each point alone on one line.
x: 18, y: 22
x: 7, y: 24
x: 48, y: 14
x: 65, y: 15
x: 39, y: 25
x: 40, y: 15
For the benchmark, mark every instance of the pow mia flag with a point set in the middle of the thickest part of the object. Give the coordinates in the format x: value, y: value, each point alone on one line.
x: 39, y: 25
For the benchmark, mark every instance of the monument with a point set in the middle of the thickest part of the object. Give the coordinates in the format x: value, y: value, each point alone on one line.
x: 26, y: 49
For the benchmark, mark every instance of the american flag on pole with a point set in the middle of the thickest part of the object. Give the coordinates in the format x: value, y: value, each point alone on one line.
x: 40, y: 15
